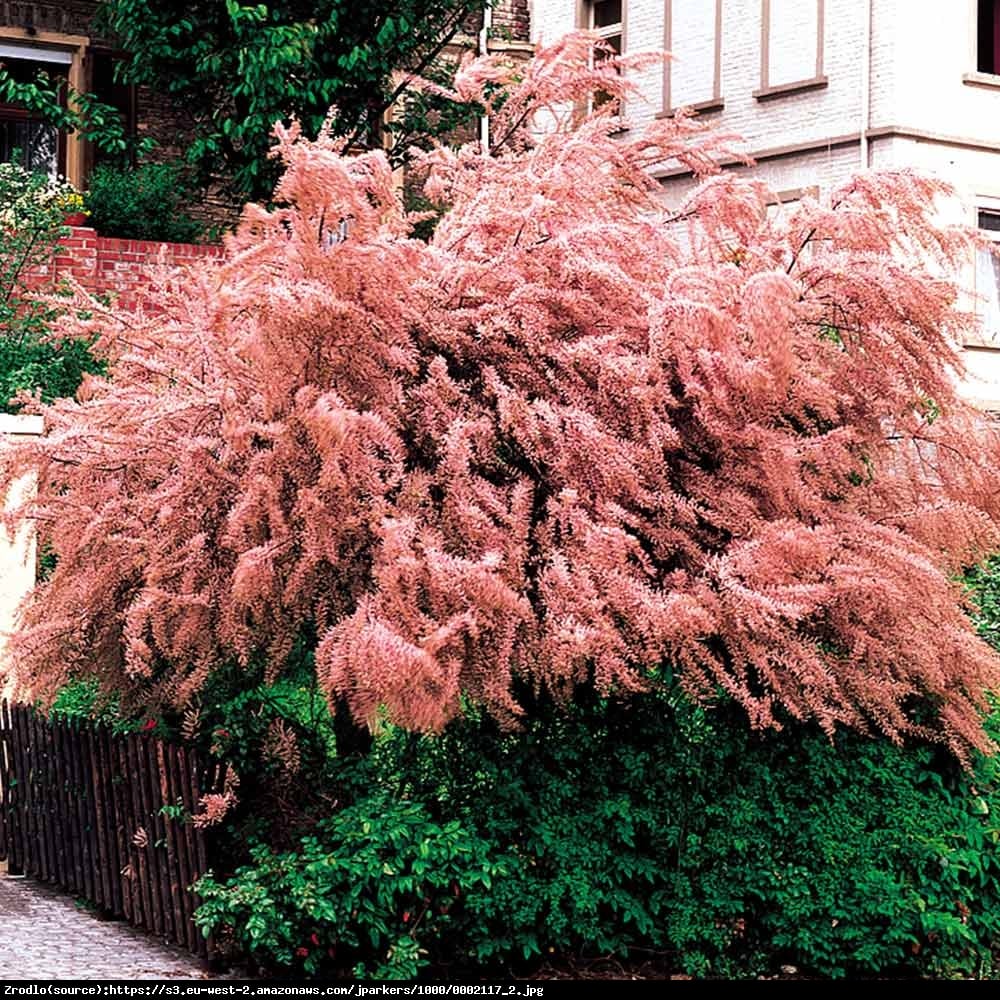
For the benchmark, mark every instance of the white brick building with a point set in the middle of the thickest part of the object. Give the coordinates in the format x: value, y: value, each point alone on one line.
x: 820, y: 89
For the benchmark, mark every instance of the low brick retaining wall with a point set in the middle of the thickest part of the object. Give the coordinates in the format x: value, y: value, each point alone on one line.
x: 107, y: 264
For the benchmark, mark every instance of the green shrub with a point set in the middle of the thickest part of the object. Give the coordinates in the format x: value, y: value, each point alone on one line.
x: 658, y: 826
x: 145, y: 203
x: 51, y: 368
x: 374, y: 882
x: 649, y: 825
x: 983, y: 583
x: 82, y: 701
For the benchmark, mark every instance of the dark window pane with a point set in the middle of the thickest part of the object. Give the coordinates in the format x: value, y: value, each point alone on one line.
x: 32, y: 143
x: 41, y: 148
x: 988, y: 40
x: 607, y: 12
x: 988, y: 291
x: 989, y: 220
x: 26, y: 71
x: 35, y: 145
x: 119, y: 95
x: 615, y: 43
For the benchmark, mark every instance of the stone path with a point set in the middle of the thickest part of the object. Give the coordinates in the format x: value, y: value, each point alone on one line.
x: 46, y: 935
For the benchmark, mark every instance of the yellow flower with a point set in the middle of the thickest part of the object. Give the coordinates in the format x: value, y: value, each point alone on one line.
x: 70, y: 201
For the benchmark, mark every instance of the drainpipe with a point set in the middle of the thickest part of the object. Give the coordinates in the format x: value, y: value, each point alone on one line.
x: 866, y: 83
x: 484, y: 48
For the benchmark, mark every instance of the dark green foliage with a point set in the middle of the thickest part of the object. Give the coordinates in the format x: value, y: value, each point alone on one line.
x: 51, y: 99
x: 145, y: 203
x: 655, y: 825
x: 238, y: 68
x: 618, y: 828
x: 82, y: 701
x: 984, y: 584
x: 276, y: 800
x: 418, y: 205
x: 372, y: 886
x: 76, y: 700
x: 52, y: 368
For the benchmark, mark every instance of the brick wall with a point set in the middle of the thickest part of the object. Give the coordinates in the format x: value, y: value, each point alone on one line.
x: 122, y: 268
x: 511, y: 19
x: 511, y: 27
x: 70, y: 17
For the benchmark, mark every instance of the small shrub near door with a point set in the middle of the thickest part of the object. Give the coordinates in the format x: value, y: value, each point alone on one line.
x: 145, y: 203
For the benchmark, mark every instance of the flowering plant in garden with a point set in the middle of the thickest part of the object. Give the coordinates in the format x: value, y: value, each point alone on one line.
x: 33, y: 209
x: 30, y: 200
x: 72, y: 202
x: 575, y: 440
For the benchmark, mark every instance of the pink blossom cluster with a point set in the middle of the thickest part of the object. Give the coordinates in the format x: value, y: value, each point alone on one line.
x: 575, y: 439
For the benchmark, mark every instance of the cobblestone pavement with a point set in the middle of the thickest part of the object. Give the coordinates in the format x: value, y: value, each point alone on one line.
x: 45, y: 935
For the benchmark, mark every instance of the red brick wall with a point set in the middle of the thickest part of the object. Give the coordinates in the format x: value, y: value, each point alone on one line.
x: 72, y: 17
x: 511, y: 20
x: 511, y: 24
x: 105, y: 264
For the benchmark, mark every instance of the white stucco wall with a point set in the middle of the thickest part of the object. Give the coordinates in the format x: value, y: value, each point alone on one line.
x: 927, y: 107
x: 921, y: 81
x: 814, y: 115
x: 17, y: 552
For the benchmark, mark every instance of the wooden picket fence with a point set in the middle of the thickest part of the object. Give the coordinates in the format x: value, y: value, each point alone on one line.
x: 106, y: 818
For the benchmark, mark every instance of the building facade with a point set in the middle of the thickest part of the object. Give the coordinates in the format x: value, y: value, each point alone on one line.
x: 820, y: 89
x: 60, y: 37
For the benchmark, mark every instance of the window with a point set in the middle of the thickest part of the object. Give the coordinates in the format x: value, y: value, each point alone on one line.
x: 122, y: 97
x: 988, y: 277
x: 988, y: 36
x: 791, y: 47
x: 36, y: 145
x: 693, y: 33
x: 607, y: 18
x: 65, y: 59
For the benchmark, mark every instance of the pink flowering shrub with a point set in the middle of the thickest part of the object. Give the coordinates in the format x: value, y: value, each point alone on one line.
x: 573, y: 440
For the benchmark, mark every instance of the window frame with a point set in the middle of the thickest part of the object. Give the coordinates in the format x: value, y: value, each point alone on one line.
x: 716, y: 101
x: 616, y: 28
x: 983, y: 338
x: 769, y: 91
x: 977, y: 37
x: 976, y: 77
x: 74, y: 148
x: 585, y: 15
x: 13, y: 113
